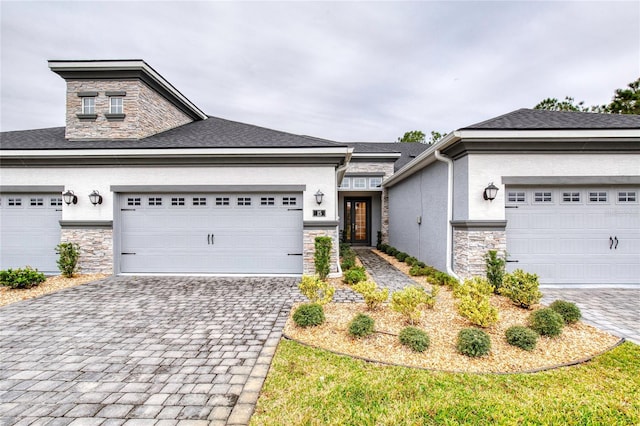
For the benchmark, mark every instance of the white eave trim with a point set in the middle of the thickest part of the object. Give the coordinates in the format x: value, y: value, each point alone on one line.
x: 376, y: 155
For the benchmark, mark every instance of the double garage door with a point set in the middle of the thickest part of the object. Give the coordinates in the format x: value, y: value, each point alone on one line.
x: 575, y: 235
x: 239, y: 233
x: 30, y: 230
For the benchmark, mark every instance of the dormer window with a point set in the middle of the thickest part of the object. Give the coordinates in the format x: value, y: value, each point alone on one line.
x: 116, y: 106
x: 87, y: 106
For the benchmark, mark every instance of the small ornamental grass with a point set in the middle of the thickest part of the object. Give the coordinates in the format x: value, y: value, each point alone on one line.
x: 522, y: 337
x: 361, y: 326
x: 21, y: 278
x: 308, y: 315
x: 546, y: 322
x: 372, y: 296
x: 569, y: 312
x: 354, y: 275
x: 473, y: 342
x: 414, y: 338
x: 316, y: 290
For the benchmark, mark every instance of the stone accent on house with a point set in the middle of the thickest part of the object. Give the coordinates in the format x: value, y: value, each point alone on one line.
x: 309, y: 236
x: 470, y: 247
x: 96, y: 248
x: 384, y: 226
x: 146, y: 112
x: 375, y: 167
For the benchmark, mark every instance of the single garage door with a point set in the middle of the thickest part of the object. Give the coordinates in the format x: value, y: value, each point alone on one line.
x: 30, y: 231
x: 575, y: 235
x: 211, y: 233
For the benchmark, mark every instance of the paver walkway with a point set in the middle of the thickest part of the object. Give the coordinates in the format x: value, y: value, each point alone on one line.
x: 142, y: 351
x: 382, y: 272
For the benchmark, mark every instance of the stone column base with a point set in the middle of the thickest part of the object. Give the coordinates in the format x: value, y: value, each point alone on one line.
x: 310, y: 232
x: 96, y: 245
x: 471, y: 241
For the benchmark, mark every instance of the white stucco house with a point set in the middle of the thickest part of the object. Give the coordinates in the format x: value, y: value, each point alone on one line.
x: 147, y: 183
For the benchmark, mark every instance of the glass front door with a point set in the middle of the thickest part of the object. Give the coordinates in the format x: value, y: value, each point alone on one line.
x: 357, y: 221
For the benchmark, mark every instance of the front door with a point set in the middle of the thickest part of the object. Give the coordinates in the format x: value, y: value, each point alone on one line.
x: 357, y: 221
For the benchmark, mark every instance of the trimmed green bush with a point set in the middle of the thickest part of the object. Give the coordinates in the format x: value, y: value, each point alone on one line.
x: 420, y: 271
x: 354, y: 275
x: 414, y: 338
x: 409, y: 300
x: 569, y: 311
x: 322, y: 256
x: 383, y: 247
x: 410, y: 260
x: 522, y: 337
x: 373, y: 296
x: 420, y: 264
x: 546, y: 322
x: 308, y: 315
x: 478, y: 310
x: 474, y: 285
x: 473, y: 342
x: 495, y: 266
x: 441, y: 278
x: 361, y: 326
x: 68, y: 254
x: 21, y: 278
x: 522, y: 288
x: 392, y: 251
x: 401, y: 256
x: 348, y: 263
x: 316, y: 290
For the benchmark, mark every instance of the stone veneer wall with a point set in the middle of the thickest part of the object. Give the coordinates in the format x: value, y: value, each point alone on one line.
x: 309, y: 249
x: 146, y: 112
x: 470, y: 247
x: 96, y: 248
x: 384, y: 226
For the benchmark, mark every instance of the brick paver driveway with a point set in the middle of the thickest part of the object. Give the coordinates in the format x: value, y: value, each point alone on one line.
x: 146, y: 350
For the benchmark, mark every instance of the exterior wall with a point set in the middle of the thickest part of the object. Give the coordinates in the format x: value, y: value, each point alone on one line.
x: 422, y: 195
x: 461, y: 188
x: 146, y: 112
x: 309, y: 248
x: 470, y: 247
x: 96, y: 248
x: 366, y: 166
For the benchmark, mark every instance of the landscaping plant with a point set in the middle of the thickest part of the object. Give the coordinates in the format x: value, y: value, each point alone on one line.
x: 522, y: 337
x: 21, y: 278
x: 361, y: 326
x: 546, y: 322
x: 495, y: 266
x: 401, y: 256
x: 322, y: 256
x: 68, y: 254
x: 316, y: 290
x: 522, y: 288
x: 569, y: 312
x: 308, y: 315
x: 409, y: 300
x: 354, y: 275
x: 473, y: 342
x: 373, y: 296
x: 414, y: 338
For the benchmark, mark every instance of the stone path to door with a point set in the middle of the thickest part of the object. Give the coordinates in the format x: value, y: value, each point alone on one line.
x: 142, y: 351
x: 382, y: 272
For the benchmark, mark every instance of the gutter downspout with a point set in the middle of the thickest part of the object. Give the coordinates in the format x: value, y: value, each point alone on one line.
x: 449, y: 162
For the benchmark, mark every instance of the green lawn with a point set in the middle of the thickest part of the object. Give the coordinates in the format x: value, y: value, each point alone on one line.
x: 314, y: 387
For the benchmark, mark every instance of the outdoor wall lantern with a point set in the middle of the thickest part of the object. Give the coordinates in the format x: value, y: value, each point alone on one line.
x: 319, y: 196
x: 70, y: 197
x: 95, y: 198
x: 490, y: 192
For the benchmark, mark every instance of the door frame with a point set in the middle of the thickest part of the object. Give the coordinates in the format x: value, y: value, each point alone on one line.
x: 368, y: 202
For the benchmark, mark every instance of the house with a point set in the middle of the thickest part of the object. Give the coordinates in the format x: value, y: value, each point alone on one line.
x: 566, y: 205
x: 147, y: 183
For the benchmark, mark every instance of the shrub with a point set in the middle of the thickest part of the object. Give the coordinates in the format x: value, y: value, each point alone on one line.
x: 474, y: 285
x: 440, y: 278
x: 421, y: 264
x: 68, y: 254
x: 473, y: 342
x: 345, y: 249
x: 348, y: 263
x: 414, y: 338
x: 308, y: 315
x: 546, y: 322
x: 322, y: 256
x: 401, y: 256
x: 522, y: 288
x: 392, y: 251
x: 477, y: 308
x: 569, y: 312
x: 383, y: 247
x: 361, y: 326
x: 373, y: 296
x: 355, y: 275
x: 410, y: 260
x: 316, y: 290
x: 379, y: 240
x: 409, y: 300
x: 21, y: 278
x: 522, y: 337
x: 419, y: 271
x: 495, y: 269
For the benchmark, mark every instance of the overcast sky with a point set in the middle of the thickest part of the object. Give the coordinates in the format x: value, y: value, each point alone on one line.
x: 357, y: 71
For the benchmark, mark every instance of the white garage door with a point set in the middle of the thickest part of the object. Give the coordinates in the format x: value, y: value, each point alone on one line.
x: 211, y: 233
x: 30, y: 231
x: 575, y: 235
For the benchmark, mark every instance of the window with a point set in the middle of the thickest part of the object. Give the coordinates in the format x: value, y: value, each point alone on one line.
x: 627, y: 197
x: 199, y: 201
x: 222, y: 201
x: 597, y: 197
x: 15, y: 201
x: 56, y: 202
x: 267, y: 201
x: 516, y: 197
x: 375, y: 182
x: 244, y: 201
x: 88, y: 105
x: 571, y: 197
x: 133, y: 201
x: 359, y: 183
x: 542, y: 197
x: 155, y: 201
x: 177, y: 201
x: 289, y: 201
x: 115, y: 105
x: 36, y: 202
x: 346, y: 183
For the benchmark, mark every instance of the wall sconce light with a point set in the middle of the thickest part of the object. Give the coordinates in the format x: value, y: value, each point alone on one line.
x: 95, y: 198
x: 490, y: 192
x: 70, y: 197
x: 319, y: 196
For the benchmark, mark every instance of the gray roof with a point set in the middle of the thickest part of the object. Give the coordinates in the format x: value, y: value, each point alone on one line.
x: 211, y: 133
x: 534, y: 119
x: 408, y: 151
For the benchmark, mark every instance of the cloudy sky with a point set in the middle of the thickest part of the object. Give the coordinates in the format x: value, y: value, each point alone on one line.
x: 347, y: 71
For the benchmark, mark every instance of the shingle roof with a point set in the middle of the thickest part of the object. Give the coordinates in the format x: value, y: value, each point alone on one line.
x: 211, y: 133
x: 533, y: 119
x: 408, y: 151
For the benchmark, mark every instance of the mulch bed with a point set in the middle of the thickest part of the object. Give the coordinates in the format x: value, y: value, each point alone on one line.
x: 51, y: 285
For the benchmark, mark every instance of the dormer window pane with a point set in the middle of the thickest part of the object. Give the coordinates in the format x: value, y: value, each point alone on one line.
x: 115, y: 105
x: 89, y: 105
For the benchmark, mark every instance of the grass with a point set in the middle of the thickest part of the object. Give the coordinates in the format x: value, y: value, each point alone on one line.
x: 307, y: 386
